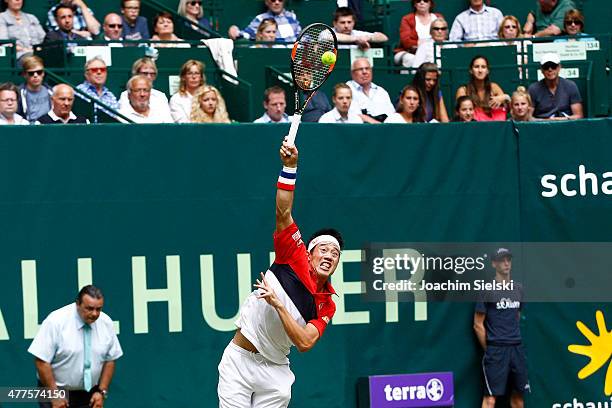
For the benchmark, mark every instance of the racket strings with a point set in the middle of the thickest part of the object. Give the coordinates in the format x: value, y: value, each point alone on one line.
x: 309, y: 70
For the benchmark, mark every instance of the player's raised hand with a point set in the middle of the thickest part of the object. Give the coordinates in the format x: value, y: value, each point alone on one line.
x: 266, y: 292
x: 289, y: 155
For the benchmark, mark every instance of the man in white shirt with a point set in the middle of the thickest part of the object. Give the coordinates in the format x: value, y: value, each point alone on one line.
x: 274, y: 103
x: 75, y: 349
x: 344, y: 24
x: 139, y: 109
x: 145, y: 66
x: 478, y: 22
x: 370, y: 101
x: 341, y: 97
x: 8, y: 106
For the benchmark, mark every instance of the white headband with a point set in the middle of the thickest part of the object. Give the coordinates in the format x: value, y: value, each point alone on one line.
x: 321, y: 239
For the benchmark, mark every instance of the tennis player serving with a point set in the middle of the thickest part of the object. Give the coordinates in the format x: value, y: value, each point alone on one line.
x: 292, y: 305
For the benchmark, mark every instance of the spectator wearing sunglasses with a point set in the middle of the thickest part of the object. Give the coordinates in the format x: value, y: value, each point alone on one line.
x: 193, y: 11
x: 135, y: 26
x: 415, y: 30
x: 573, y: 24
x: 547, y: 20
x: 113, y: 29
x: 34, y: 95
x: 425, y: 51
x: 555, y: 98
x: 94, y: 85
x: 288, y: 25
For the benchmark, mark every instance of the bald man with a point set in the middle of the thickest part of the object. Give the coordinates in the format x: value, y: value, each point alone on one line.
x: 113, y: 29
x: 61, y: 108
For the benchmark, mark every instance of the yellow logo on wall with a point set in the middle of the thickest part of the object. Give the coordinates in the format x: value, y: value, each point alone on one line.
x: 599, y: 351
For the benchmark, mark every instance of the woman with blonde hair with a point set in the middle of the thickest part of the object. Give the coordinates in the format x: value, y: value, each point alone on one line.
x: 509, y: 28
x: 193, y: 11
x: 521, y: 106
x: 208, y: 106
x: 192, y: 78
x: 266, y: 32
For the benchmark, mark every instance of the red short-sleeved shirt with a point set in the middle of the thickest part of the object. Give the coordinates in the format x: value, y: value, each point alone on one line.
x: 292, y: 269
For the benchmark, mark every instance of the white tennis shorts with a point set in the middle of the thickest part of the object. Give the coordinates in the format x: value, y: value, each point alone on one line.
x: 249, y: 380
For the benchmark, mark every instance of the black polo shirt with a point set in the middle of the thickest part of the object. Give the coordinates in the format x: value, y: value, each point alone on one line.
x: 547, y: 104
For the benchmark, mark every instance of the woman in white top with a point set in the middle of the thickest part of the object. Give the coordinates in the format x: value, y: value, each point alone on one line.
x: 163, y: 26
x: 209, y: 106
x: 409, y: 108
x: 192, y: 78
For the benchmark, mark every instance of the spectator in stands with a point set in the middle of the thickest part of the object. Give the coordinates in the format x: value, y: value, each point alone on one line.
x: 342, y: 97
x: 163, y: 27
x: 113, y: 29
x: 65, y: 29
x: 464, y: 109
x: 140, y: 108
x: 409, y: 107
x: 145, y: 66
x: 95, y: 84
x: 318, y: 105
x: 209, y: 106
x: 344, y: 26
x: 22, y: 27
x: 490, y: 101
x: 192, y: 79
x: 478, y: 22
x: 85, y: 24
x: 370, y: 101
x: 135, y: 26
x: 274, y: 103
x: 34, y: 95
x: 415, y: 29
x: 8, y: 106
x: 521, y: 107
x: 193, y: 11
x: 510, y: 29
x: 553, y: 97
x: 547, y: 20
x: 267, y: 32
x: 425, y: 51
x: 427, y: 81
x: 573, y: 24
x: 288, y: 25
x: 61, y: 108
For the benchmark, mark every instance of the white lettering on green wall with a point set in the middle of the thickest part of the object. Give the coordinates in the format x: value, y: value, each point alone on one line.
x: 345, y: 288
x: 85, y: 277
x: 207, y: 282
x: 144, y: 295
x: 420, y: 296
x: 29, y: 292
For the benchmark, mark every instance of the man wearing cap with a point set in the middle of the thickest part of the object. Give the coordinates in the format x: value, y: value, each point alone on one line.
x: 292, y: 306
x: 553, y: 97
x: 496, y: 323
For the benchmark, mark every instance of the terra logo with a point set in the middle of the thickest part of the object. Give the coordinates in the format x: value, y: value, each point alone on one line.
x: 599, y: 351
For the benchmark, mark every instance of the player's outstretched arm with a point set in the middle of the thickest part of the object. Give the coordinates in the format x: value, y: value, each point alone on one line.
x: 286, y: 186
x: 304, y: 337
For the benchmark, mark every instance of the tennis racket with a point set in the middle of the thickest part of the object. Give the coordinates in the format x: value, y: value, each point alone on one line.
x: 307, y: 69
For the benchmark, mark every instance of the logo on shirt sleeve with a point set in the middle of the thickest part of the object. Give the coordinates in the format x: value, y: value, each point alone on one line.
x: 325, y: 319
x: 297, y: 237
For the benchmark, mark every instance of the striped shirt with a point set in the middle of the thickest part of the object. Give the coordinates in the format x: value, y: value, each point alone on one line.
x: 472, y: 25
x: 288, y: 26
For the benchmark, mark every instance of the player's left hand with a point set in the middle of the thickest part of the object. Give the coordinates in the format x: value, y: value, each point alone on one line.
x: 97, y: 400
x: 266, y: 292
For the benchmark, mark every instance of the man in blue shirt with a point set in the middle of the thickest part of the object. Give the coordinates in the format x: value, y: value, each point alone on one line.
x: 496, y: 323
x: 64, y: 16
x: 85, y: 24
x: 287, y: 22
x: 553, y: 97
x: 95, y: 84
x: 134, y: 25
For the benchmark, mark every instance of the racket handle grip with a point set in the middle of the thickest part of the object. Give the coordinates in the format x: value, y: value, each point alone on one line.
x: 295, y: 123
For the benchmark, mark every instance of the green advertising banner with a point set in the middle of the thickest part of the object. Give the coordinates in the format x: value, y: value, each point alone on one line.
x: 175, y: 222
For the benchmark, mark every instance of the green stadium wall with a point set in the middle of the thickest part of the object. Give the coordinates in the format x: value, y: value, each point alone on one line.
x: 186, y: 213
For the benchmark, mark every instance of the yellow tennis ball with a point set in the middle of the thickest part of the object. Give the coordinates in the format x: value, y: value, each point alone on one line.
x: 328, y: 58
